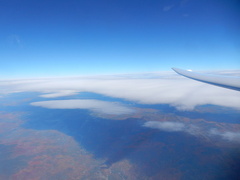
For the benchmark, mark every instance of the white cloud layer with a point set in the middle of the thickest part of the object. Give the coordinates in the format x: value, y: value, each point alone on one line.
x: 90, y: 104
x: 166, y: 88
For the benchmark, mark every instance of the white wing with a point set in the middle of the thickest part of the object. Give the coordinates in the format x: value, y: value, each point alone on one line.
x: 229, y: 82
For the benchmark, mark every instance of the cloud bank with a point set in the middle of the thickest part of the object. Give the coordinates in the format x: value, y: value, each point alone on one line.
x: 165, y: 88
x: 90, y: 104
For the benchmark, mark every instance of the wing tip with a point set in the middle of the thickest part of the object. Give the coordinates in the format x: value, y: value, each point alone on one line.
x: 177, y: 70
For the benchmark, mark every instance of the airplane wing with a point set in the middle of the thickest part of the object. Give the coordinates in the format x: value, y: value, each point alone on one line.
x: 229, y: 82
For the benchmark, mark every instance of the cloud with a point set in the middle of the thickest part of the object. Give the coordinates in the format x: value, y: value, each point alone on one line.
x: 166, y: 88
x: 171, y: 126
x: 93, y: 105
x: 167, y: 8
x: 165, y: 126
x: 195, y: 130
x: 59, y: 94
x: 14, y: 40
x: 228, y: 135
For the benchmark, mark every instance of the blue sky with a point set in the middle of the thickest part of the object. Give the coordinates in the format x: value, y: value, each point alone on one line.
x: 76, y: 37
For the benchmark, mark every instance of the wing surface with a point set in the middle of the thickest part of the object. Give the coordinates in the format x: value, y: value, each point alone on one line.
x: 230, y: 82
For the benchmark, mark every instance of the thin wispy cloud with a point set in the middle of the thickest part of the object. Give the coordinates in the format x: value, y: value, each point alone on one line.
x: 59, y: 94
x: 97, y: 106
x: 180, y: 92
x: 194, y: 130
x: 167, y: 8
x: 171, y: 126
x: 165, y: 126
x: 14, y: 40
x: 228, y: 135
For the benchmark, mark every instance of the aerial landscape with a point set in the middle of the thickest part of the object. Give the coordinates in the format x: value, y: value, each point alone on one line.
x: 87, y: 90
